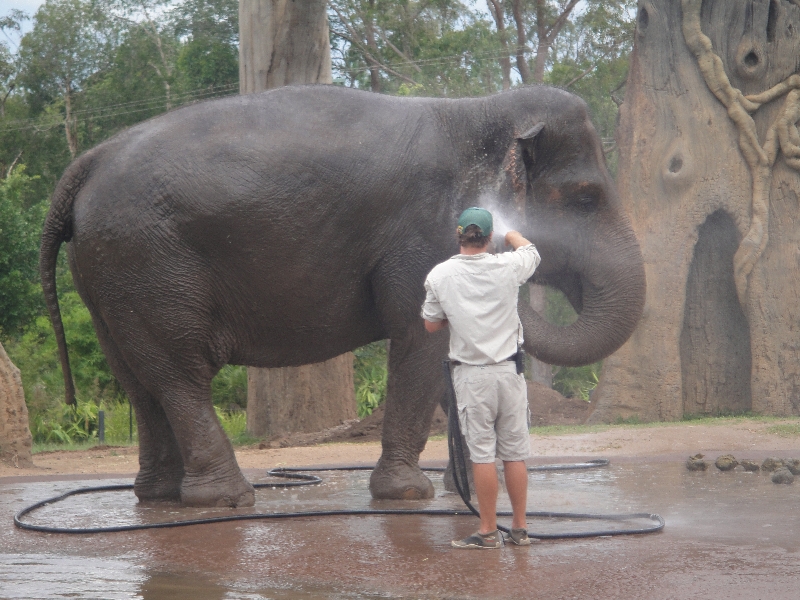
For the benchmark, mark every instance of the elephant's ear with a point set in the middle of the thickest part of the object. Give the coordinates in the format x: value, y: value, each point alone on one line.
x: 528, y: 142
x: 518, y: 160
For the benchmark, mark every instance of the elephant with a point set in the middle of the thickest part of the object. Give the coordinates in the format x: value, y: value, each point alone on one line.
x: 288, y: 227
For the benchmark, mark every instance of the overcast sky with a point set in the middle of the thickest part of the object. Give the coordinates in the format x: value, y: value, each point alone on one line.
x: 30, y: 6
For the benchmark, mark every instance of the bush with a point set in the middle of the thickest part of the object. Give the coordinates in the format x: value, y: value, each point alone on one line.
x: 21, y: 218
x: 67, y: 425
x: 370, y: 374
x: 229, y: 387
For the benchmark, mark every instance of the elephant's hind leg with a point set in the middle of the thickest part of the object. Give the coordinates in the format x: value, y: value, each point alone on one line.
x: 212, y: 475
x: 181, y: 382
x: 160, y: 462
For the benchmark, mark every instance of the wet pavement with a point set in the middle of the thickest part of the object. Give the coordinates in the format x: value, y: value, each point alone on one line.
x: 728, y: 535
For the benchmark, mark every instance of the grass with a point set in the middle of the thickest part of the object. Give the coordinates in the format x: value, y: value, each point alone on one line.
x: 781, y: 427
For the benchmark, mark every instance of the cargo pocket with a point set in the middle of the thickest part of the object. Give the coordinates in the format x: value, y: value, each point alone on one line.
x: 462, y: 419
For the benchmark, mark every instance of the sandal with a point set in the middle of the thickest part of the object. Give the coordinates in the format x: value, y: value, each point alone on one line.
x: 480, y: 540
x: 518, y: 537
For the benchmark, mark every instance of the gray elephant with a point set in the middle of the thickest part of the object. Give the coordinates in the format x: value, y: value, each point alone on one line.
x: 288, y: 227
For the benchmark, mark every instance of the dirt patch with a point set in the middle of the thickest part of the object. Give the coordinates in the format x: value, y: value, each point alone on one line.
x: 548, y: 407
x: 672, y: 441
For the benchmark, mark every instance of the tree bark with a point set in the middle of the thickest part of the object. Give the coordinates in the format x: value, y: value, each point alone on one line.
x: 15, y: 435
x: 282, y: 42
x: 711, y: 179
x: 539, y: 372
x: 522, y: 63
x: 497, y: 9
x: 286, y: 42
x: 69, y: 122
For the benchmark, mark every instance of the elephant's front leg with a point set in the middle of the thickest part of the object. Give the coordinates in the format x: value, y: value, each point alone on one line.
x: 416, y: 385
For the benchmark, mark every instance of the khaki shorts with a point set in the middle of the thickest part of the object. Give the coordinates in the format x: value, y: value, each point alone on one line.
x: 493, y: 411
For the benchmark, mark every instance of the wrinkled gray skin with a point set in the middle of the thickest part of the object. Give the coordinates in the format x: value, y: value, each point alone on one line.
x: 288, y: 227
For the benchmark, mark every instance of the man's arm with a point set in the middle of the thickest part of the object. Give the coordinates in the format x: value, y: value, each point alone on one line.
x: 432, y: 313
x: 515, y: 240
x: 434, y: 326
x: 525, y: 257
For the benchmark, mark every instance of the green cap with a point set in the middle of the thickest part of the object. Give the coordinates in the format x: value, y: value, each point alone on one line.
x: 476, y: 216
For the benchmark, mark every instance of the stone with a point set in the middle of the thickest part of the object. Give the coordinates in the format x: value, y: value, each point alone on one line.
x: 726, y: 462
x: 771, y: 464
x: 696, y: 463
x: 749, y: 465
x: 793, y: 464
x: 782, y: 475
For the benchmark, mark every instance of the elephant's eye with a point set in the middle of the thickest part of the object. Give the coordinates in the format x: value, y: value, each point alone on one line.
x: 586, y: 203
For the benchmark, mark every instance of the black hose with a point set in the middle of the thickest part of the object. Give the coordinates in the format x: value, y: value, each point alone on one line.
x: 304, y: 479
x: 298, y: 476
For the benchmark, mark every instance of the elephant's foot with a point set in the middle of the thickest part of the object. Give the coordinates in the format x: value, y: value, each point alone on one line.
x: 158, y: 485
x: 399, y: 480
x: 230, y: 489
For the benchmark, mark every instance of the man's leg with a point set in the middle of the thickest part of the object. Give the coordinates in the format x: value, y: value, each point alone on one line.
x: 486, y: 487
x: 516, y: 474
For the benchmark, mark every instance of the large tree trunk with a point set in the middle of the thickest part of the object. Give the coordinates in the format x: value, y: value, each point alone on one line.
x: 285, y: 42
x: 538, y: 371
x: 710, y: 179
x: 15, y: 435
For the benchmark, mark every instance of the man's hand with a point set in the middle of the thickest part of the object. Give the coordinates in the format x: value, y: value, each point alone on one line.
x: 434, y: 326
x: 515, y: 240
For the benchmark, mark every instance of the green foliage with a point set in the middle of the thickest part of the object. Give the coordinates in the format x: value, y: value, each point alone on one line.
x: 570, y: 382
x: 21, y: 218
x: 577, y: 382
x: 207, y: 63
x: 370, y: 375
x: 61, y: 424
x: 229, y: 388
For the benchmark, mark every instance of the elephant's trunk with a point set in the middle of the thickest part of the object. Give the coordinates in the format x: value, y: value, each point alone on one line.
x: 612, y: 294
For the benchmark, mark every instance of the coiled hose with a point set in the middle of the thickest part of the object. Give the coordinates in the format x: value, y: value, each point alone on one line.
x: 300, y: 476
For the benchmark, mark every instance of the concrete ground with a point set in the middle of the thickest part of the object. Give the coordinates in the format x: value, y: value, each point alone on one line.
x: 732, y: 535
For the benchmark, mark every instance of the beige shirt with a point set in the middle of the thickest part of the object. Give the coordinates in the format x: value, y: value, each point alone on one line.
x: 478, y: 294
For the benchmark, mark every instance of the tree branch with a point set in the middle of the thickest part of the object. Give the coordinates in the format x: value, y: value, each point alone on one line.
x: 397, y: 50
x: 556, y: 27
x: 365, y: 51
x: 13, y: 164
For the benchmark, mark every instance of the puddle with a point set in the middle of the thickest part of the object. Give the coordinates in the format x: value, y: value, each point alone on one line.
x: 717, y: 523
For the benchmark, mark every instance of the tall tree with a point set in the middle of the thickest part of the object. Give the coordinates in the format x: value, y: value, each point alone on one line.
x: 70, y: 41
x: 8, y: 68
x: 283, y: 42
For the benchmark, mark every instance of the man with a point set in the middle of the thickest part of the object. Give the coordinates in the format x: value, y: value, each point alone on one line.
x: 475, y: 293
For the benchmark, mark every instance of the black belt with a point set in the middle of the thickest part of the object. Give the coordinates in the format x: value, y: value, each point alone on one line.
x: 512, y: 358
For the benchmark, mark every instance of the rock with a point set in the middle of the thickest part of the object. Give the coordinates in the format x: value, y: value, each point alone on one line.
x: 782, y: 475
x: 793, y: 464
x: 726, y: 462
x: 696, y: 464
x: 15, y: 436
x: 771, y: 464
x: 749, y: 465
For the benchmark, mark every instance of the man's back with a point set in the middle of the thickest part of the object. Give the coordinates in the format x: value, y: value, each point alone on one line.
x: 477, y: 294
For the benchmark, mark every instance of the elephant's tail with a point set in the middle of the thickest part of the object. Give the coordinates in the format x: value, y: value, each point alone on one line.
x: 58, y: 229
